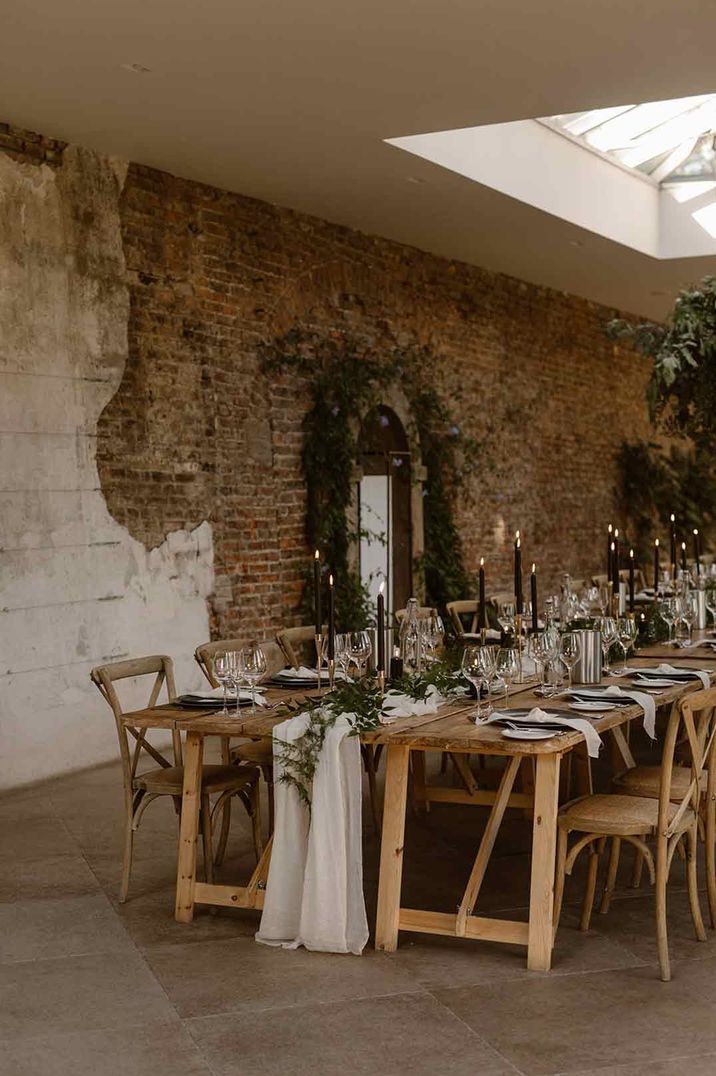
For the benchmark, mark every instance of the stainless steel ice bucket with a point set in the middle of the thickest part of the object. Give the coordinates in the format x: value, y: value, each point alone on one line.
x: 588, y: 669
x: 701, y: 614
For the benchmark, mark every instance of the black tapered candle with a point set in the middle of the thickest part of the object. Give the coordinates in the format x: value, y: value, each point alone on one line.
x: 481, y: 608
x: 673, y: 561
x: 615, y: 567
x: 684, y: 564
x: 317, y: 590
x: 631, y: 580
x: 381, y: 630
x: 533, y: 599
x: 610, y: 539
x: 519, y: 605
x: 656, y: 565
x: 697, y: 550
x: 331, y: 619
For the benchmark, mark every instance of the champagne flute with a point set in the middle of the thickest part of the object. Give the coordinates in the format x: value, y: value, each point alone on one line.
x: 252, y: 663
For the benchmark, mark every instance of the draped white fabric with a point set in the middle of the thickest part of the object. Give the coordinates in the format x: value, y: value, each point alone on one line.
x: 314, y: 891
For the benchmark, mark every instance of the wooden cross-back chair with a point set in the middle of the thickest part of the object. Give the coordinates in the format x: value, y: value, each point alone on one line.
x: 424, y: 611
x: 298, y: 645
x: 467, y: 608
x: 166, y: 778
x: 257, y: 752
x: 670, y: 817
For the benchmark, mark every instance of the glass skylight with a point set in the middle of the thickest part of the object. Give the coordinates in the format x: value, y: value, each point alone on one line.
x: 671, y: 142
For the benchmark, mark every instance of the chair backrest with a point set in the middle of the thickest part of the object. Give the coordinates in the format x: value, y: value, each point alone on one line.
x: 105, y: 677
x: 298, y: 645
x: 600, y: 580
x: 692, y: 725
x: 459, y: 609
x: 424, y: 611
x: 204, y: 656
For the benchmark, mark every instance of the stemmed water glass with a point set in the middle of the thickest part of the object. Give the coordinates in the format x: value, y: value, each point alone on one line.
x: 688, y: 613
x: 711, y: 602
x: 359, y: 649
x: 508, y: 666
x: 342, y: 653
x: 626, y: 634
x: 432, y: 631
x: 668, y: 610
x: 506, y: 617
x: 252, y: 666
x: 234, y: 657
x: 473, y: 670
x: 538, y: 648
x: 569, y: 651
x: 224, y: 673
x: 608, y: 630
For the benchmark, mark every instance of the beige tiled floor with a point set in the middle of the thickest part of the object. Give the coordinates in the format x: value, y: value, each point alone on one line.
x: 89, y: 987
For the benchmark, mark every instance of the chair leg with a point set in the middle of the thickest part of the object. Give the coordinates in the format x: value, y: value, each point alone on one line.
x: 662, y: 940
x: 693, y: 883
x: 127, y: 856
x: 206, y: 837
x: 562, y: 841
x: 611, y: 878
x: 267, y: 772
x: 255, y: 801
x: 637, y: 870
x: 588, y: 902
x: 224, y: 832
x: 710, y: 842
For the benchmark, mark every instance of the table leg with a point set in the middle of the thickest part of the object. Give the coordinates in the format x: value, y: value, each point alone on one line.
x: 391, y: 848
x: 544, y: 846
x: 191, y: 796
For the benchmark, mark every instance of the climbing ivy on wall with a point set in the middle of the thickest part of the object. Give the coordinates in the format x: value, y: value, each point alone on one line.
x: 347, y: 379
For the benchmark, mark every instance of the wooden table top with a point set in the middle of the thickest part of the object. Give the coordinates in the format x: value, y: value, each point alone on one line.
x: 449, y: 729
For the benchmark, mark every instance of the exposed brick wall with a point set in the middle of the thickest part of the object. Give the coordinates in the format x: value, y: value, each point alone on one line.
x: 197, y: 431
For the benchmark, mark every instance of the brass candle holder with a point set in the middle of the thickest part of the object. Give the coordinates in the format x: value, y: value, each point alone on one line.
x: 320, y: 641
x: 331, y: 674
x: 518, y: 632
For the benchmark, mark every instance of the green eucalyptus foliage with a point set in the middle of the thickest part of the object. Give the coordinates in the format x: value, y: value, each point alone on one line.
x: 347, y: 378
x: 681, y: 394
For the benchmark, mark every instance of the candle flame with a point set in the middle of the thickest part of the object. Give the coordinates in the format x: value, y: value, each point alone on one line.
x: 696, y: 530
x: 613, y: 548
x: 683, y: 545
x: 610, y: 528
x: 616, y: 533
x: 534, y: 569
x: 316, y: 555
x: 519, y: 543
x: 330, y: 580
x: 381, y: 588
x: 656, y: 542
x: 631, y: 554
x: 517, y: 536
x: 672, y: 517
x: 482, y: 562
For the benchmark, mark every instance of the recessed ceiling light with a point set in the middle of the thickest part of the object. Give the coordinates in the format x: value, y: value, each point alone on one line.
x: 137, y: 69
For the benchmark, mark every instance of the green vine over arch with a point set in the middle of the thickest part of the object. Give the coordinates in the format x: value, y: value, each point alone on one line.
x: 348, y: 377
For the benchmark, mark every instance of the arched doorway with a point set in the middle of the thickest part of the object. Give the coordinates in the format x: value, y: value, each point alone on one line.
x: 385, y: 500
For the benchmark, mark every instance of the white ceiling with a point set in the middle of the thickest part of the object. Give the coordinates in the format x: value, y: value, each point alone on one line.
x: 291, y: 102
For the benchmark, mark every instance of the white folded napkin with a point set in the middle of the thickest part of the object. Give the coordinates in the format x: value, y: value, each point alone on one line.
x: 304, y: 673
x: 396, y: 705
x: 539, y: 717
x: 314, y: 891
x: 218, y: 693
x: 491, y: 633
x: 641, y: 699
x: 702, y: 674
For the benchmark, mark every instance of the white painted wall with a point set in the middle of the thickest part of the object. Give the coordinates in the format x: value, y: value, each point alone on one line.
x: 75, y: 588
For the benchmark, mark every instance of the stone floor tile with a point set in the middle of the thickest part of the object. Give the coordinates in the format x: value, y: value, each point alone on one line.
x: 43, y: 929
x: 240, y: 975
x: 407, y: 1033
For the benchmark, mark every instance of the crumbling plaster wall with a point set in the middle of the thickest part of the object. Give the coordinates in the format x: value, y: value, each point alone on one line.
x: 75, y: 588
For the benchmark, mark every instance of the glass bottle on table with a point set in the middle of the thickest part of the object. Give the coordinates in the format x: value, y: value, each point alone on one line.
x: 410, y: 638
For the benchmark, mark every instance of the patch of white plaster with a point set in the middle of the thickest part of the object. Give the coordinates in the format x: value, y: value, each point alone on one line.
x: 75, y: 588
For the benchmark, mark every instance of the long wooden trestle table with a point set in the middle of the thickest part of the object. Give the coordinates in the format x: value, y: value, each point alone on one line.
x: 451, y: 731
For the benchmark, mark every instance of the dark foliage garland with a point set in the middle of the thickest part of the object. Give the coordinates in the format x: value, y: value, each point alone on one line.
x: 347, y: 379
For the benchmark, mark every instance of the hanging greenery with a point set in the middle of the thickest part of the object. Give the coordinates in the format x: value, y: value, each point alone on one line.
x: 347, y: 379
x: 681, y: 394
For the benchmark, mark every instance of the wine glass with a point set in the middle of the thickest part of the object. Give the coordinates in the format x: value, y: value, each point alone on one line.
x: 252, y: 665
x: 538, y: 649
x: 626, y: 634
x: 508, y: 666
x: 608, y: 630
x: 473, y: 670
x: 506, y: 617
x: 668, y: 611
x: 236, y: 675
x: 342, y: 653
x: 224, y: 674
x: 359, y: 649
x: 569, y: 651
x: 689, y: 613
x: 711, y: 602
